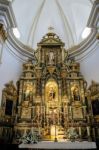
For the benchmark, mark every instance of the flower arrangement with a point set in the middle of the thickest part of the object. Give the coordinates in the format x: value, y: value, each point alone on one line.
x: 29, y: 138
x: 72, y: 133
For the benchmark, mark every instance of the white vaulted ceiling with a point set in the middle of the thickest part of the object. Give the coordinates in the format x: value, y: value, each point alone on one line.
x: 68, y: 17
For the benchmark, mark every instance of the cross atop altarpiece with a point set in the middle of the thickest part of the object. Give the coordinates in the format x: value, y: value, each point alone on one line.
x: 50, y: 29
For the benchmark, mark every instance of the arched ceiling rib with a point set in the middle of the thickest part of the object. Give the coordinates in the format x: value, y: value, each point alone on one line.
x: 67, y: 27
x: 68, y: 17
x: 31, y: 36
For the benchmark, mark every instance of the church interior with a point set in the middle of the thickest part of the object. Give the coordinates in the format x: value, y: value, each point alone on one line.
x: 49, y: 74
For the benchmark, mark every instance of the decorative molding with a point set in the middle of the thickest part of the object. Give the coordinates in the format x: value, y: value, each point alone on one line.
x: 87, y: 53
x: 6, y: 12
x: 84, y: 48
x: 20, y: 47
x: 94, y: 15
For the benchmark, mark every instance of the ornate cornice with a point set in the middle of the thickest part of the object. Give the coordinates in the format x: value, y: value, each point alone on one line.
x: 20, y: 47
x: 85, y: 47
x: 6, y: 14
x: 8, y: 19
x: 94, y: 15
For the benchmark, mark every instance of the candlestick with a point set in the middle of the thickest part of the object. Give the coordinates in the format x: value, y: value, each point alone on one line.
x: 80, y: 131
x: 88, y: 130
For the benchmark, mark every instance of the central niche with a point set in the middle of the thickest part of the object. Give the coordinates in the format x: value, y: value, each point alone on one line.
x: 52, y: 101
x: 51, y: 91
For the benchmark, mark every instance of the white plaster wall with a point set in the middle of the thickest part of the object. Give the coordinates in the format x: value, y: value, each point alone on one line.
x: 10, y: 69
x: 90, y: 67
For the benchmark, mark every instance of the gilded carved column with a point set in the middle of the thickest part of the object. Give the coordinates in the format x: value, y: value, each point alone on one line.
x: 43, y: 102
x: 82, y: 92
x: 43, y: 91
x: 21, y: 97
x: 68, y: 91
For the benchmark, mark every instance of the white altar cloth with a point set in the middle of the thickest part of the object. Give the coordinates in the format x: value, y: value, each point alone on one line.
x: 60, y: 145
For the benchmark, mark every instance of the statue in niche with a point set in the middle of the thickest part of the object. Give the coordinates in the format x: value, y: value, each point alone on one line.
x: 76, y: 94
x: 28, y: 91
x: 51, y: 58
x: 52, y: 93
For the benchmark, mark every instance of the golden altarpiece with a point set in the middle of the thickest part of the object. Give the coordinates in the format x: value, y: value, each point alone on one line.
x: 52, y: 96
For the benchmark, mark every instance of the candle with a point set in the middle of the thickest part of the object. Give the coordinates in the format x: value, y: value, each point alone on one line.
x: 88, y: 130
x: 80, y: 131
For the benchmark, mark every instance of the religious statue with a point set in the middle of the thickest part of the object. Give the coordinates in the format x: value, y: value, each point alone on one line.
x: 28, y: 92
x: 52, y: 94
x: 51, y: 58
x: 76, y: 94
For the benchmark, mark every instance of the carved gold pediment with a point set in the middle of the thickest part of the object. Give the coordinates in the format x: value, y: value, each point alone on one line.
x: 51, y: 38
x: 52, y: 41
